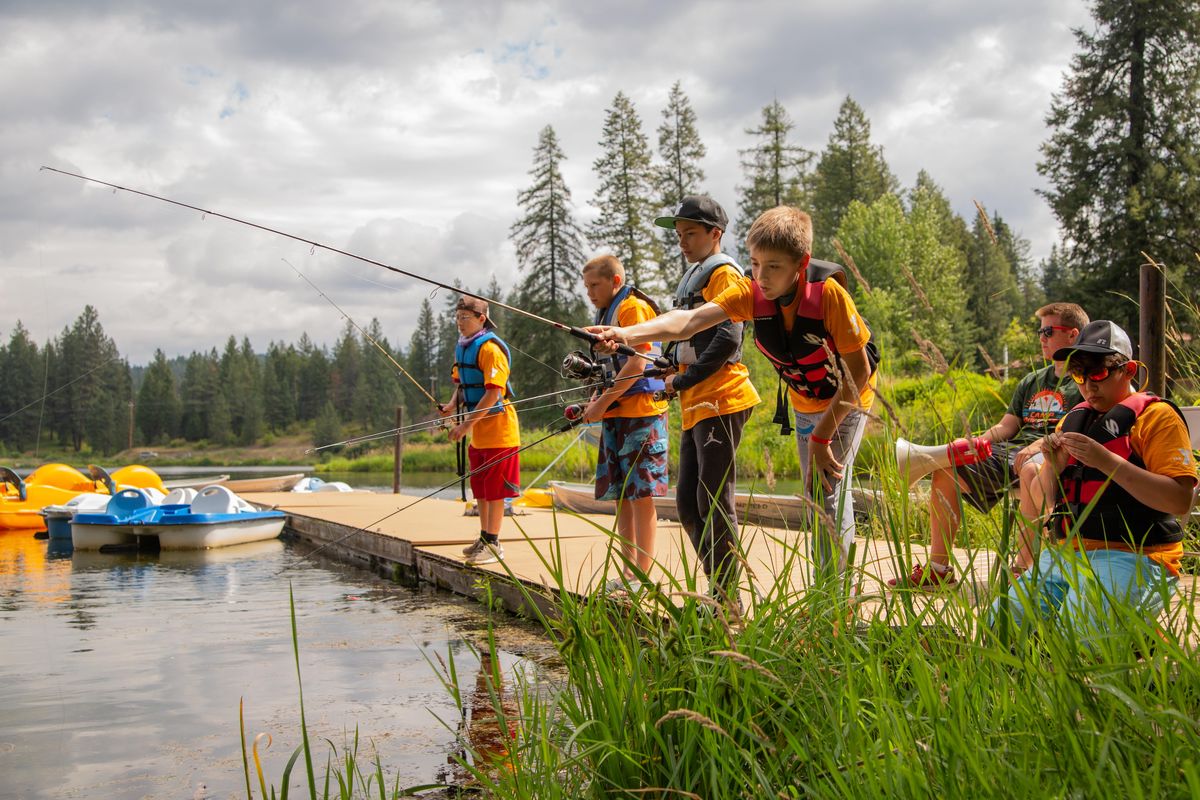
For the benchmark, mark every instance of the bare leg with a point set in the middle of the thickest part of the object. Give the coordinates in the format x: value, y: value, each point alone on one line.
x: 945, y: 515
x: 491, y: 515
x: 645, y: 527
x: 1033, y: 513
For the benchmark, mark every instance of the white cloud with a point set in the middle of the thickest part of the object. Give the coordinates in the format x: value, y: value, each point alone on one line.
x: 405, y: 131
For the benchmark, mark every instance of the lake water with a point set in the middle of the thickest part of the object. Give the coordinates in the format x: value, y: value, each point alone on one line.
x: 120, y: 675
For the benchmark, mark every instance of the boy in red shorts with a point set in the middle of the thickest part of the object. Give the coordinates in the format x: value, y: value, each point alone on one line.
x: 482, y: 395
x: 632, y: 466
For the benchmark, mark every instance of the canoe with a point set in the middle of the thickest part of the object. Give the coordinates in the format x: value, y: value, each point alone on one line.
x: 277, y: 483
x: 772, y: 510
x: 196, y: 483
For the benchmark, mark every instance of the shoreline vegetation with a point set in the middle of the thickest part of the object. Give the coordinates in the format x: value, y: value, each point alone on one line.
x: 896, y: 694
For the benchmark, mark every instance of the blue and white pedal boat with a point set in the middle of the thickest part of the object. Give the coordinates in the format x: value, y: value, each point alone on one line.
x: 216, y: 517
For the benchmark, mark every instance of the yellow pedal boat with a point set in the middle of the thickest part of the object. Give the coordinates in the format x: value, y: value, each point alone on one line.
x: 22, y: 501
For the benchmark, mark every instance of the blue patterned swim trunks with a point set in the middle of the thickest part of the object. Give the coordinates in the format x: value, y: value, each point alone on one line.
x: 633, y: 458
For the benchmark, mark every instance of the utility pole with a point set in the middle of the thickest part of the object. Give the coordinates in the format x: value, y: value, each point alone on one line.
x: 1152, y: 324
x: 398, y: 455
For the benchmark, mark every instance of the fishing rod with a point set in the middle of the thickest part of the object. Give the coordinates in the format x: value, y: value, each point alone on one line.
x: 572, y: 420
x: 573, y: 330
x: 574, y: 363
x: 366, y: 335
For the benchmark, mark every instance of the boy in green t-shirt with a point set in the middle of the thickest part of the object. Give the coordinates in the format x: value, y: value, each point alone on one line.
x: 1041, y: 399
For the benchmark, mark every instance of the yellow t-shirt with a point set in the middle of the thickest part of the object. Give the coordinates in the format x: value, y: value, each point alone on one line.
x: 633, y: 310
x: 846, y: 328
x: 727, y: 390
x: 1160, y: 439
x: 496, y: 429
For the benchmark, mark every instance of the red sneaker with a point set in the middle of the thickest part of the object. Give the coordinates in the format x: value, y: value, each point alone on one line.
x: 925, y: 577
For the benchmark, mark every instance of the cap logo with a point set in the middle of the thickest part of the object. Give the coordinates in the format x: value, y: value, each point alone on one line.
x: 1102, y: 340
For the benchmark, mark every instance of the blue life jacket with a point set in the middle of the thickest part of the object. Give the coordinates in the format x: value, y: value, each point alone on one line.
x: 471, y: 380
x: 614, y: 364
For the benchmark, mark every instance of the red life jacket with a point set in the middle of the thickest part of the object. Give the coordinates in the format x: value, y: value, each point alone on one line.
x: 803, y: 355
x: 1116, y: 515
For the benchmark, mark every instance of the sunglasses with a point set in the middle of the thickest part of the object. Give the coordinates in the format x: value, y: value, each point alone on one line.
x: 1049, y: 330
x: 1099, y: 376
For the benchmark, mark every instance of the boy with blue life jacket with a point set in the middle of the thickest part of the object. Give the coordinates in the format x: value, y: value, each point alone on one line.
x: 482, y: 395
x: 1121, y: 470
x: 632, y: 465
x: 807, y: 325
x: 715, y: 394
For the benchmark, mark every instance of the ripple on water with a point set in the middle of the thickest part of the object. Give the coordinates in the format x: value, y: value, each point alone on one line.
x: 122, y: 674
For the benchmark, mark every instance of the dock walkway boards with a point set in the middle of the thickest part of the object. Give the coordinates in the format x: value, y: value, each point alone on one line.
x: 426, y: 540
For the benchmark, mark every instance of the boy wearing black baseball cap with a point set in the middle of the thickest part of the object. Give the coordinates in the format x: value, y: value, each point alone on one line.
x: 1121, y: 472
x: 715, y: 395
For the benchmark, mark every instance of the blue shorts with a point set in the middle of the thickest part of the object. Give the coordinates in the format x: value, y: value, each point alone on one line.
x: 633, y: 458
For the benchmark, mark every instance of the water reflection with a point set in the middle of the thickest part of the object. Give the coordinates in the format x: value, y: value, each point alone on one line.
x: 122, y: 673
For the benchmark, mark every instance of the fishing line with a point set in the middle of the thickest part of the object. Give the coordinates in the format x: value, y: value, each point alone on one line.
x: 575, y: 331
x: 497, y: 460
x: 44, y: 397
x: 366, y: 335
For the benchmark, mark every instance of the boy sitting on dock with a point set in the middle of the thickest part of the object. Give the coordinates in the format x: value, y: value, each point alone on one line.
x: 1041, y: 399
x: 632, y: 465
x: 482, y: 397
x: 1120, y: 471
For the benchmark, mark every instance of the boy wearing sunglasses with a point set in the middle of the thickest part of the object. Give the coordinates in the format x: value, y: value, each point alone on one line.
x: 1039, y: 402
x: 1120, y: 472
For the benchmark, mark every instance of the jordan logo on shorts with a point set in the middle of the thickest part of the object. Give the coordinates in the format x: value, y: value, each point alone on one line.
x: 712, y: 440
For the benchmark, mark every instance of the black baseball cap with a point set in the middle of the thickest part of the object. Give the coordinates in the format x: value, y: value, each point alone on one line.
x: 697, y: 208
x: 1102, y: 337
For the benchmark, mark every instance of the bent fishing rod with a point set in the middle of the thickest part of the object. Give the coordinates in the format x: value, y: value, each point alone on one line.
x: 573, y: 330
x: 572, y: 422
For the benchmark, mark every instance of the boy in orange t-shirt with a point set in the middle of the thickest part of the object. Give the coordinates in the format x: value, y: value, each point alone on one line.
x: 810, y: 329
x: 715, y: 395
x: 632, y: 465
x: 1122, y: 471
x: 481, y: 378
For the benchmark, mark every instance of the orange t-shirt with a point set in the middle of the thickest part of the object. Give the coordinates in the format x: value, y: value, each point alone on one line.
x: 1161, y: 439
x: 496, y: 429
x: 633, y: 310
x: 727, y: 390
x: 845, y: 327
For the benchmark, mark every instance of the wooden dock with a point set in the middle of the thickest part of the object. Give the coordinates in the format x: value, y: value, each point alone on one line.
x: 425, y: 542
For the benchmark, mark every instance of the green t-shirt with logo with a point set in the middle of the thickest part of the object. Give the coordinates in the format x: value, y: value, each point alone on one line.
x: 1040, y: 401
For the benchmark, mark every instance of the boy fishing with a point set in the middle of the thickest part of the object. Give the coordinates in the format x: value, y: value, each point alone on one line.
x: 481, y: 396
x: 632, y: 465
x: 809, y: 328
x: 715, y: 394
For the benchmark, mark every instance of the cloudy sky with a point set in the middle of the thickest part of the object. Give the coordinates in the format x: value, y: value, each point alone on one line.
x: 404, y: 130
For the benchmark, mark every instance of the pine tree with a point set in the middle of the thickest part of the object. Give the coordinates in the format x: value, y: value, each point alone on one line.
x: 347, y: 361
x: 680, y: 174
x: 850, y: 168
x: 993, y: 299
x: 421, y: 362
x: 379, y: 382
x: 547, y: 238
x: 22, y: 372
x: 315, y: 380
x: 158, y: 404
x: 549, y: 252
x: 774, y: 168
x: 625, y: 195
x: 1123, y: 161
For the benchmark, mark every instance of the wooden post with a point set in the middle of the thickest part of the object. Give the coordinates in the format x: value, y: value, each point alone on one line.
x: 1152, y: 326
x: 399, y: 452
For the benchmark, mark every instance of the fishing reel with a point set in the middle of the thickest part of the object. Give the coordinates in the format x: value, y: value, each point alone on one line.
x: 578, y: 365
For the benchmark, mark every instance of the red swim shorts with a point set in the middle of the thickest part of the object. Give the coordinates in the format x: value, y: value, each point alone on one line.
x: 500, y: 480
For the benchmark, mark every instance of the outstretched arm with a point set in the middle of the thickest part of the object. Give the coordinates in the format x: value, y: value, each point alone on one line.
x: 669, y: 327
